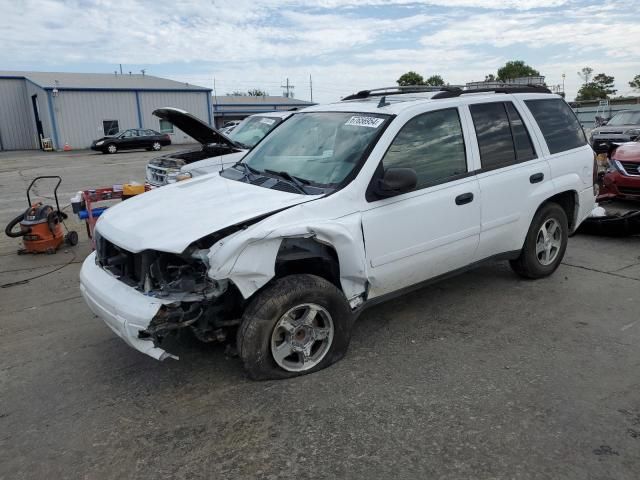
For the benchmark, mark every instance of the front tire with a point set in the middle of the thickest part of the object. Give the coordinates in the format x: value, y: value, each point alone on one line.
x: 545, y: 244
x: 298, y: 325
x: 111, y: 148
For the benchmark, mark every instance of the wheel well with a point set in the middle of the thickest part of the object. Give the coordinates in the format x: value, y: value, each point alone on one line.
x: 306, y: 255
x: 568, y: 201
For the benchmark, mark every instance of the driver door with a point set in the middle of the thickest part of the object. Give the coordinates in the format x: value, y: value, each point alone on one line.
x: 435, y: 228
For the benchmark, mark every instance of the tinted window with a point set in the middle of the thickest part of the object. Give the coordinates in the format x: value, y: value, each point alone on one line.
x: 432, y: 144
x: 150, y: 133
x: 558, y: 124
x: 494, y: 135
x: 521, y: 138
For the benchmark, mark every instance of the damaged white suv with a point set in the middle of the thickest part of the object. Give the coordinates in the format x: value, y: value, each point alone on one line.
x: 340, y: 207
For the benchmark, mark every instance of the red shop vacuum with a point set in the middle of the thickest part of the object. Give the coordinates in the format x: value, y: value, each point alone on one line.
x: 41, y: 226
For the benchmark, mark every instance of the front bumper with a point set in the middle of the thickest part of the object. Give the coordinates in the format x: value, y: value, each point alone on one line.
x: 125, y: 310
x: 616, y: 185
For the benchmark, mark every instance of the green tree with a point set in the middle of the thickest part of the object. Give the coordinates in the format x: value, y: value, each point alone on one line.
x: 490, y: 78
x: 410, y: 78
x: 514, y: 69
x: 597, y: 89
x: 635, y: 83
x: 434, y: 81
x: 256, y: 92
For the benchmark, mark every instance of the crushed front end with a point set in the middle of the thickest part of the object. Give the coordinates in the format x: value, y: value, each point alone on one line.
x: 146, y: 296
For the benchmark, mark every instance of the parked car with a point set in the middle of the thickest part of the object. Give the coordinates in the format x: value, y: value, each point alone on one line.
x: 341, y: 207
x: 217, y: 150
x: 622, y: 178
x: 133, y: 138
x: 623, y: 127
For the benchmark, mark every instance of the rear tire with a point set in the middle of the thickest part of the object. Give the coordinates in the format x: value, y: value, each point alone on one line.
x: 545, y: 244
x: 157, y: 146
x: 302, y: 315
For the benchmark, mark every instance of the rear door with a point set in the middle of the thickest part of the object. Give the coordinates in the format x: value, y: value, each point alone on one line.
x: 514, y: 176
x: 435, y: 228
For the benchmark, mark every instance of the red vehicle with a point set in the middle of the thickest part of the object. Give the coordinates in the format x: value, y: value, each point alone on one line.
x: 622, y: 179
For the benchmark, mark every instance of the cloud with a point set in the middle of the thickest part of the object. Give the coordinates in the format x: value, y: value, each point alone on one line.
x: 345, y: 44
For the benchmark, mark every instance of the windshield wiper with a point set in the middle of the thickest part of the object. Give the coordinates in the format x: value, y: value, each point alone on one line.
x: 296, y: 181
x: 247, y: 170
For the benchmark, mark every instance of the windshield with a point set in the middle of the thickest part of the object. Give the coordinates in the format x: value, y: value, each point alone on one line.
x: 320, y: 147
x: 625, y: 118
x: 253, y: 129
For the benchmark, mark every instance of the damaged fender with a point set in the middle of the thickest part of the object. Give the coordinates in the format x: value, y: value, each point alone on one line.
x: 248, y: 258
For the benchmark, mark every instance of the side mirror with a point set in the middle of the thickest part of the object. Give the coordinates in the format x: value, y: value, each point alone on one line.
x: 396, y: 181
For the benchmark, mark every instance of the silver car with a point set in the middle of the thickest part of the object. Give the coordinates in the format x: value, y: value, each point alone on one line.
x: 623, y: 127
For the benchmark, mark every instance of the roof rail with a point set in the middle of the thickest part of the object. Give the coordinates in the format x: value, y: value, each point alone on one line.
x: 507, y: 88
x: 399, y: 90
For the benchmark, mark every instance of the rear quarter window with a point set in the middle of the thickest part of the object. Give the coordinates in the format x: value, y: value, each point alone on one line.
x: 558, y: 124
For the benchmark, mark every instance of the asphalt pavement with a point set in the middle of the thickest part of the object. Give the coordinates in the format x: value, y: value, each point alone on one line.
x: 482, y: 376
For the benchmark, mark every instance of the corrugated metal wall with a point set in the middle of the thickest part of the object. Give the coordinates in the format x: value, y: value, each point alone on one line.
x: 193, y: 102
x: 17, y: 127
x: 79, y: 115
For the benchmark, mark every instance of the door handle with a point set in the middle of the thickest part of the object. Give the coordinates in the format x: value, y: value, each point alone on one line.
x: 464, y: 198
x: 536, y: 178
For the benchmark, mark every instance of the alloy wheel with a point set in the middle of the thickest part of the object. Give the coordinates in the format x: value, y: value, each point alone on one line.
x: 548, y: 242
x: 302, y: 337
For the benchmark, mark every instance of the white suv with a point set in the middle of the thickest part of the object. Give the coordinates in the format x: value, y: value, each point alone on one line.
x: 340, y: 207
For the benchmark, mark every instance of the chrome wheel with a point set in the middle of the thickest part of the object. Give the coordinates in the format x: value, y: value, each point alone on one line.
x: 112, y: 148
x: 156, y: 146
x: 548, y: 242
x: 302, y: 337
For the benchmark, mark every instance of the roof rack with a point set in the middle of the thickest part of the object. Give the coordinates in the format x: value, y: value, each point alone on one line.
x: 448, y: 91
x: 377, y: 92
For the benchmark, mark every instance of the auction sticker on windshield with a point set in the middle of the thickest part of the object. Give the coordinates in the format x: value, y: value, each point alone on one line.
x: 371, y: 122
x: 268, y: 121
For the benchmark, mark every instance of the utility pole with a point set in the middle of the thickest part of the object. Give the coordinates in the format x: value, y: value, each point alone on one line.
x: 120, y: 69
x: 311, y: 88
x: 215, y: 101
x: 288, y: 89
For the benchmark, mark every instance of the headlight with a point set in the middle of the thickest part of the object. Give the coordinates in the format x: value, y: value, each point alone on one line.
x: 633, y: 132
x: 174, y: 176
x: 99, y: 143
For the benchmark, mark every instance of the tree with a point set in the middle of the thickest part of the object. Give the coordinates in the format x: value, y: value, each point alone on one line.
x: 514, y: 69
x: 434, y: 81
x: 237, y: 93
x: 585, y: 74
x: 256, y: 92
x: 635, y: 83
x: 490, y: 78
x: 598, y: 89
x: 410, y: 78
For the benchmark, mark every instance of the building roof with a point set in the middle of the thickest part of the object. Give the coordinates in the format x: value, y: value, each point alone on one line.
x: 101, y: 81
x: 249, y: 100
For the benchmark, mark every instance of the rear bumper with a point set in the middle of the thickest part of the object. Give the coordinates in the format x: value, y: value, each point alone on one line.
x: 125, y: 310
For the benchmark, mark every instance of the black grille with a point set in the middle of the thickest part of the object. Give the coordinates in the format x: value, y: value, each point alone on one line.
x: 285, y: 187
x: 629, y: 190
x: 631, y: 168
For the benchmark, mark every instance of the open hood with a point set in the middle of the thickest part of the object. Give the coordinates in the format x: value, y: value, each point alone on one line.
x: 193, y: 126
x: 170, y: 218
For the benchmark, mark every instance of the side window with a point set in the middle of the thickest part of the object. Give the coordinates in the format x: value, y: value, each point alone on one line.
x: 558, y: 124
x: 494, y: 135
x: 521, y: 138
x: 432, y: 144
x: 149, y: 133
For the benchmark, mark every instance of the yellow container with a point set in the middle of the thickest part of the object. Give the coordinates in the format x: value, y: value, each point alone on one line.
x: 129, y: 189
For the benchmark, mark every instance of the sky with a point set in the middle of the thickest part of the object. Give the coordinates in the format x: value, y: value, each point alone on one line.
x: 343, y: 45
